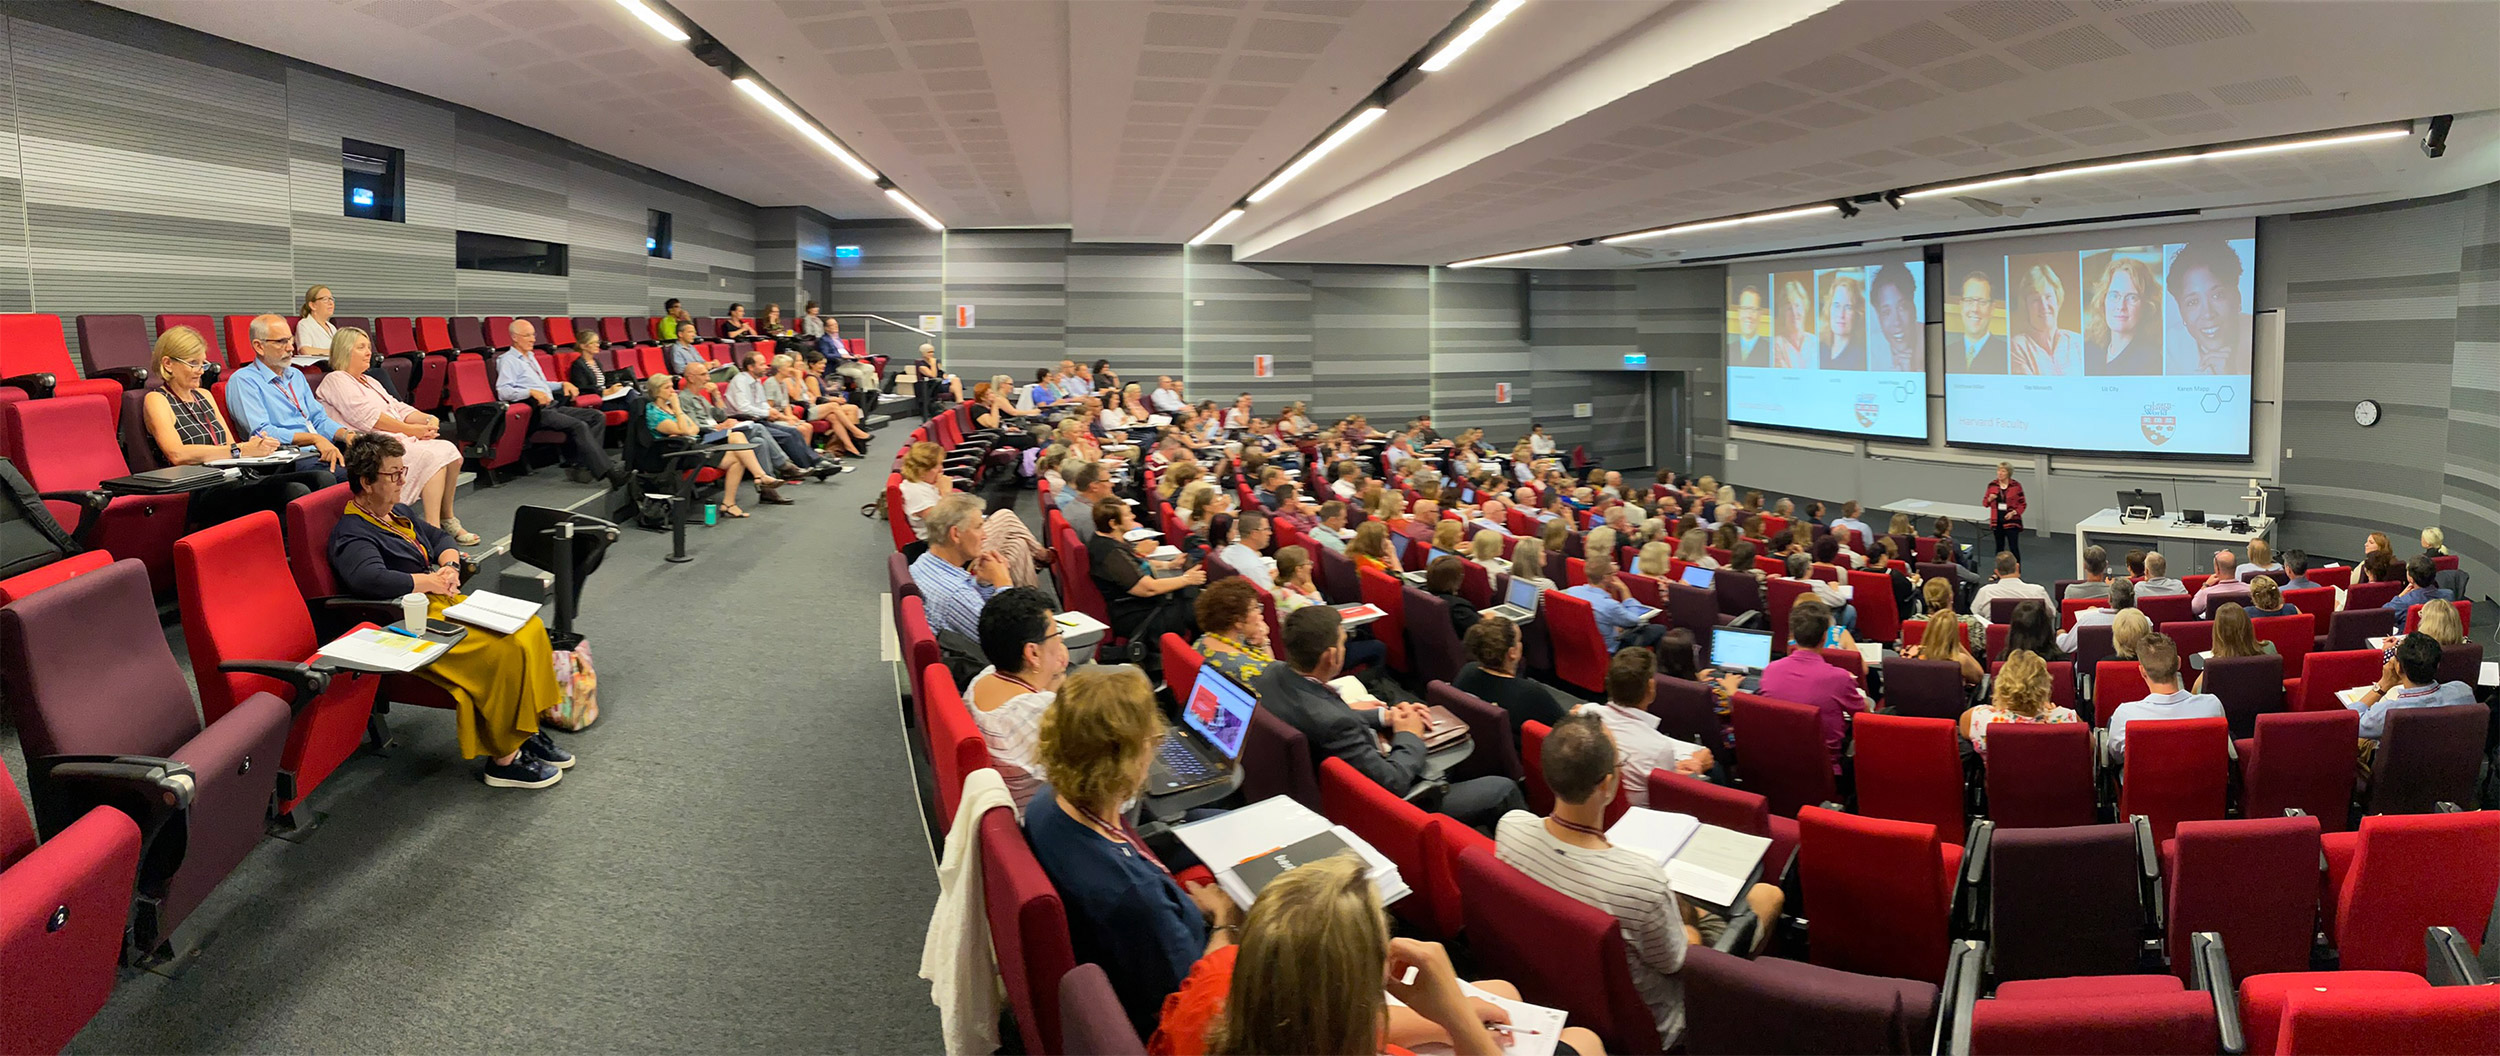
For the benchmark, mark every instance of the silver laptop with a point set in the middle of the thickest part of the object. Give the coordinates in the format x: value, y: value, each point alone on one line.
x: 1733, y: 650
x: 1520, y: 605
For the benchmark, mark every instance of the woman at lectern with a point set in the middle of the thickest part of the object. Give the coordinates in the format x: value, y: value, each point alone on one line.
x: 2003, y: 500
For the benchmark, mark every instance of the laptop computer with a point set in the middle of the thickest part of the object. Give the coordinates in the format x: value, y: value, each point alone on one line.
x: 1214, y: 722
x: 1733, y: 650
x: 1697, y: 576
x: 1519, y: 606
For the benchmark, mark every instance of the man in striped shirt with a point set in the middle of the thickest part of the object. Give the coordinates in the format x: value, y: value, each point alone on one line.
x: 956, y: 576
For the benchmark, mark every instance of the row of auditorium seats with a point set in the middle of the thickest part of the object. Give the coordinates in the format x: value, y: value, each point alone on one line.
x: 2041, y: 903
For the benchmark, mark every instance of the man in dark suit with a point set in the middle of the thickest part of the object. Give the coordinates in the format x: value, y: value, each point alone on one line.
x: 1747, y: 347
x: 1298, y: 693
x: 1977, y: 351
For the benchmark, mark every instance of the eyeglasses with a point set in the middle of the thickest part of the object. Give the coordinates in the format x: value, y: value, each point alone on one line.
x: 273, y: 340
x: 195, y: 364
x: 392, y: 475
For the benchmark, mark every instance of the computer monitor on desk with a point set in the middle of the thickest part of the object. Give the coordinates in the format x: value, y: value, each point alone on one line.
x: 2144, y: 504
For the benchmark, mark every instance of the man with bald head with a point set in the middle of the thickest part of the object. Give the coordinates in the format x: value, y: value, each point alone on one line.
x: 271, y: 398
x: 517, y: 379
x: 2225, y: 586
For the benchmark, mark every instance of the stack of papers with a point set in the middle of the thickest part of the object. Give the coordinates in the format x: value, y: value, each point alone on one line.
x: 1266, y: 827
x: 493, y: 611
x: 1873, y: 652
x: 2383, y: 641
x: 2352, y: 697
x: 1135, y: 534
x: 1706, y: 862
x: 384, y: 650
x: 1358, y: 615
x: 1533, y: 1031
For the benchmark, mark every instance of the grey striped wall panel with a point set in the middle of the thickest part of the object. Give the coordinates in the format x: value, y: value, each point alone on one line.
x: 377, y: 267
x: 1017, y: 283
x: 899, y: 274
x: 1680, y: 316
x: 609, y: 217
x: 1371, y: 341
x: 1577, y: 313
x: 2470, y: 498
x: 1476, y: 344
x: 16, y: 289
x: 1238, y: 312
x: 1125, y: 305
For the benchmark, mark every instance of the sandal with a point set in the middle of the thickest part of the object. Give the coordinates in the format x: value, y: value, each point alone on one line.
x: 451, y: 526
x: 769, y: 482
x: 733, y: 511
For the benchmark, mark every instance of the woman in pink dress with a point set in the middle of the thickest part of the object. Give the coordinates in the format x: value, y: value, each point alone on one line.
x: 357, y: 400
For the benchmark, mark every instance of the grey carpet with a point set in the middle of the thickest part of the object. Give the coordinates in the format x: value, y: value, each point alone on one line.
x: 738, y: 864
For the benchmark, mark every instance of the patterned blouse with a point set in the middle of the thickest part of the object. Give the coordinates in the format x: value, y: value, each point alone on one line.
x: 196, y: 420
x: 1239, y: 660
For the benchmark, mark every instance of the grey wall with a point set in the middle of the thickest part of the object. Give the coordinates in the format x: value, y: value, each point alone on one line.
x: 159, y: 170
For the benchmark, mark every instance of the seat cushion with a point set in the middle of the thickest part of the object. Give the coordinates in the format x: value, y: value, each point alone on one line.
x: 2086, y: 986
x: 2262, y: 997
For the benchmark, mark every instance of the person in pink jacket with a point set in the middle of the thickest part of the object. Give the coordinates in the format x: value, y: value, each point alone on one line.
x: 356, y: 400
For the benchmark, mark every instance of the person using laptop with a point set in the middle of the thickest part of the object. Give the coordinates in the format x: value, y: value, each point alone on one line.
x: 1299, y: 694
x: 1622, y: 620
x: 1028, y: 658
x: 1519, y: 604
x: 1631, y: 686
x: 1492, y: 676
x: 1527, y: 562
x: 1805, y: 677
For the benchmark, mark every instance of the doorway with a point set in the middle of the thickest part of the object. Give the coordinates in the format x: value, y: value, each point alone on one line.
x: 816, y: 280
x: 1670, y: 437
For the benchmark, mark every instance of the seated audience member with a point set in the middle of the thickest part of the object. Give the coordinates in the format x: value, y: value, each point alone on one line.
x: 2260, y: 559
x: 1028, y: 658
x: 2157, y: 581
x: 1089, y: 483
x: 1848, y: 520
x: 2007, y: 584
x: 1742, y: 559
x: 1965, y: 563
x: 1692, y: 549
x: 1243, y: 556
x: 2408, y: 680
x: 1936, y: 601
x: 1679, y: 656
x: 1622, y: 620
x: 1299, y: 694
x: 2032, y: 629
x: 749, y: 398
x: 380, y: 551
x: 1447, y: 535
x: 1145, y: 604
x: 314, y: 332
x: 1805, y: 677
x: 1370, y: 548
x: 925, y: 484
x: 1656, y: 560
x: 1294, y: 588
x: 1940, y: 641
x: 1486, y: 549
x: 1125, y: 911
x: 1492, y: 675
x: 2434, y: 543
x: 1527, y: 561
x: 2222, y: 587
x: 2265, y: 599
x: 270, y: 397
x: 684, y: 351
x: 2296, y: 565
x: 356, y: 400
x: 2128, y: 631
x: 2422, y: 584
x: 2021, y: 694
x: 1801, y: 570
x: 1442, y: 578
x: 1887, y: 559
x: 2095, y: 583
x: 2121, y: 599
x: 736, y: 325
x: 1232, y: 629
x: 958, y: 574
x: 2158, y: 657
x: 2381, y: 566
x: 667, y: 414
x: 2234, y: 636
x: 1287, y: 987
x: 585, y: 429
x: 2440, y: 621
x: 802, y: 378
x: 1569, y: 852
x: 1631, y: 686
x: 586, y: 374
x: 187, y: 429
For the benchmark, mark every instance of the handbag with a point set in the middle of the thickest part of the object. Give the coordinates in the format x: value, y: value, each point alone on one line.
x: 577, y: 688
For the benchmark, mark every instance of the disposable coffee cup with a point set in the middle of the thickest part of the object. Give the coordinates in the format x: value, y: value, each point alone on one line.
x: 412, y: 612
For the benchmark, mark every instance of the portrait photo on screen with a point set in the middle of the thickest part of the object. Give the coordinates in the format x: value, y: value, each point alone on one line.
x: 1974, y: 319
x: 2133, y: 340
x: 1835, y: 345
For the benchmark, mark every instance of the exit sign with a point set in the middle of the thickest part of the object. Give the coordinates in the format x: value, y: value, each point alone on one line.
x: 1636, y: 359
x: 846, y: 252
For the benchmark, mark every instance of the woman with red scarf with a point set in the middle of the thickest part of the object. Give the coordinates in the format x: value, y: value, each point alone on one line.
x: 2004, y: 503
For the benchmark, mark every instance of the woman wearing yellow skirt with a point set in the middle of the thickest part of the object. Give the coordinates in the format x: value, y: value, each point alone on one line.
x: 383, y: 551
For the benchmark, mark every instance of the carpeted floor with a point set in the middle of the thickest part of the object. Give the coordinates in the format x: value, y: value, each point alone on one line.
x: 737, y: 864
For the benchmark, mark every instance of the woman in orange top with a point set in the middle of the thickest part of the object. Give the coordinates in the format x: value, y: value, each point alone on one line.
x: 1370, y: 548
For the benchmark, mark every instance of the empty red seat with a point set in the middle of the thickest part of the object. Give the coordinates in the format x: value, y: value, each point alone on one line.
x: 1580, y: 654
x: 2324, y: 674
x: 2040, y: 775
x: 2176, y: 770
x: 32, y: 346
x: 1783, y: 757
x: 1768, y: 1004
x: 62, y: 908
x: 2301, y: 759
x: 2097, y: 1014
x: 1879, y: 893
x: 2362, y: 597
x: 116, y: 347
x: 2402, y: 874
x: 2064, y: 902
x: 2430, y: 1021
x: 1910, y: 769
x: 66, y: 446
x: 434, y: 334
x: 2254, y: 881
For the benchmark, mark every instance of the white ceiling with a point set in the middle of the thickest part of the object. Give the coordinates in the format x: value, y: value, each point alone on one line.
x: 1142, y: 121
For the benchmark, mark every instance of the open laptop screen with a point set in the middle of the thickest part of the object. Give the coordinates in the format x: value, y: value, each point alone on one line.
x: 1523, y: 593
x: 1697, y: 576
x: 1732, y: 649
x: 1219, y: 709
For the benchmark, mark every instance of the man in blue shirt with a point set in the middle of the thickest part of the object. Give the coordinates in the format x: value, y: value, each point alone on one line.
x: 585, y: 430
x: 271, y: 398
x: 1619, y: 618
x: 956, y: 575
x: 2410, y: 680
x: 1849, y: 519
x: 750, y: 398
x: 2423, y: 577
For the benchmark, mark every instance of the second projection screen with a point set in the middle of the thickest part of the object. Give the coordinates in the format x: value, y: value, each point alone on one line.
x: 1831, y: 344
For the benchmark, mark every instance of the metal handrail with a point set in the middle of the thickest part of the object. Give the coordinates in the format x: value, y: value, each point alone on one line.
x: 879, y: 318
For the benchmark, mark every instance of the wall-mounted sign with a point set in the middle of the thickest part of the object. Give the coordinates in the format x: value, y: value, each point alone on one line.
x: 963, y: 317
x: 931, y: 323
x: 846, y: 252
x: 1636, y: 359
x: 1262, y: 366
x: 1581, y: 410
x: 1501, y: 392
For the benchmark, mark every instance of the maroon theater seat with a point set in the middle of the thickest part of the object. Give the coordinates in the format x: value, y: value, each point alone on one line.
x: 2254, y: 881
x: 2040, y: 775
x: 1561, y: 952
x: 2064, y: 901
x: 1736, y: 1006
x: 34, y: 359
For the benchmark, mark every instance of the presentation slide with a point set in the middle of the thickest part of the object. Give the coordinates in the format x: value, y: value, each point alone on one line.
x: 2129, y: 341
x: 1835, y: 344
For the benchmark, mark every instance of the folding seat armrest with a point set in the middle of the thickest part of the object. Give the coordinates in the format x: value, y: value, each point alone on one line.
x: 339, y: 614
x: 1737, y: 937
x: 1967, y: 911
x: 1964, y: 974
x: 309, y: 681
x: 2445, y: 807
x: 91, y: 503
x: 2450, y: 960
x: 1427, y: 793
x: 133, y: 377
x: 2211, y: 972
x: 2148, y: 862
x: 150, y: 789
x: 38, y: 384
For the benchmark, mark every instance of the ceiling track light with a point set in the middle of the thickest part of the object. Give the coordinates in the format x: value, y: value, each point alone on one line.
x: 659, y: 24
x: 1353, y: 126
x: 1468, y: 37
x: 1733, y: 221
x: 1220, y: 223
x: 1500, y: 258
x: 1847, y: 208
x: 764, y: 97
x: 2158, y: 161
x: 914, y: 208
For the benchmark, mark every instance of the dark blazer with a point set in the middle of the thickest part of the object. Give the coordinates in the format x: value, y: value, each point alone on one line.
x: 1463, y: 614
x: 2140, y: 358
x: 1736, y: 356
x: 373, y: 563
x: 1332, y: 728
x: 1994, y: 356
x: 1852, y: 356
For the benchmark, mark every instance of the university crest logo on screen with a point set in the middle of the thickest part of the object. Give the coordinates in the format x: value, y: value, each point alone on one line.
x: 2159, y: 424
x: 1866, y: 410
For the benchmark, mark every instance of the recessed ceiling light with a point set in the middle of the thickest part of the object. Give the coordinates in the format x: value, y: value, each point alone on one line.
x: 1361, y: 120
x: 651, y: 18
x: 1734, y: 221
x: 764, y: 97
x: 2161, y: 160
x: 916, y: 211
x: 1229, y: 216
x: 1500, y: 258
x: 1468, y: 37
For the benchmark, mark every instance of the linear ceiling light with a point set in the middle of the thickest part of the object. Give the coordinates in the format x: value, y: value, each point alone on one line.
x: 2165, y: 159
x: 1712, y: 225
x: 1362, y: 119
x: 651, y: 18
x: 1229, y: 216
x: 755, y: 90
x: 1503, y: 258
x: 916, y: 211
x: 1468, y: 37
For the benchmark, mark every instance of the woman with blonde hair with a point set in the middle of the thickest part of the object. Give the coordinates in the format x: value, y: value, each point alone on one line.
x: 2021, y: 694
x: 1125, y: 910
x: 1843, y: 337
x: 2434, y: 542
x: 1600, y: 540
x: 1486, y: 549
x: 1941, y: 640
x: 1527, y: 561
x: 1450, y: 536
x: 188, y: 430
x: 1656, y: 560
x: 1693, y: 549
x: 1793, y: 344
x: 2260, y: 559
x: 2266, y: 599
x: 1370, y: 548
x: 2039, y: 346
x: 2127, y: 631
x: 925, y: 482
x: 2122, y: 321
x: 2234, y: 636
x: 353, y: 398
x: 1936, y: 594
x: 2440, y: 620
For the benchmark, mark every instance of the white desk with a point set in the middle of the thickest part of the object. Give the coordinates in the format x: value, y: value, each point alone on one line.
x: 1962, y: 513
x: 2166, y: 527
